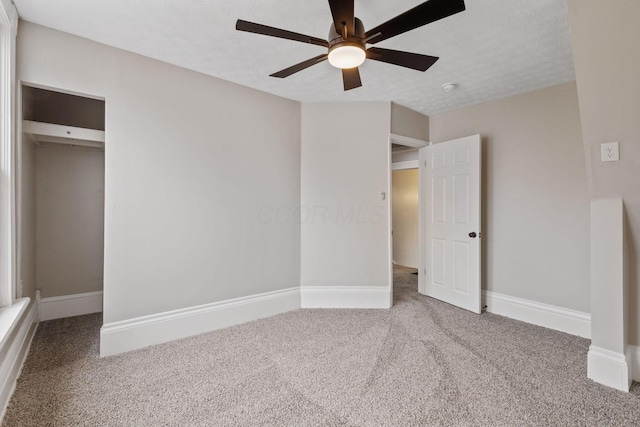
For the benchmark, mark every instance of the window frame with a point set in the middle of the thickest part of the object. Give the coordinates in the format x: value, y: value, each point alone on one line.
x: 8, y: 243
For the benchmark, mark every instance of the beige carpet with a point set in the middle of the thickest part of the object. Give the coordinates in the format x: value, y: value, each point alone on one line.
x: 421, y: 363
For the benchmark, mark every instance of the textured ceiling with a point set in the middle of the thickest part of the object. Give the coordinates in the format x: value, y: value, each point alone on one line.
x: 494, y: 49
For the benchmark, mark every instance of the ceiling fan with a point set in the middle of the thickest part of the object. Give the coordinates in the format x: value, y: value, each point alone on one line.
x: 348, y: 38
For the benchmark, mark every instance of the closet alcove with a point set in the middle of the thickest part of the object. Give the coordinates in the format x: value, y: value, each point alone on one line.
x: 62, y: 201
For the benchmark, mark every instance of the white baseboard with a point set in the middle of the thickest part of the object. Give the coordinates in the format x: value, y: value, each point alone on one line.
x: 345, y: 297
x: 70, y: 305
x: 550, y: 316
x: 14, y: 350
x: 608, y: 367
x: 132, y: 334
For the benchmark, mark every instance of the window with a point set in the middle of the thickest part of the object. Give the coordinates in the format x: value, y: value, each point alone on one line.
x: 8, y: 29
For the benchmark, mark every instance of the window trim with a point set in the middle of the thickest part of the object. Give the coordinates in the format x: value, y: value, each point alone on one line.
x: 8, y: 243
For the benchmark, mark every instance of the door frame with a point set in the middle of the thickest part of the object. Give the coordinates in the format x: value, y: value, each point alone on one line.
x: 19, y: 166
x: 411, y: 164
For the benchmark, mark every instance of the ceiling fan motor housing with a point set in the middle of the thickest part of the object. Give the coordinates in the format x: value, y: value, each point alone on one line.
x: 336, y: 39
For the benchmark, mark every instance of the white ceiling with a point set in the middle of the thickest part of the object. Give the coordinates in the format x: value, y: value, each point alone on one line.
x: 494, y: 49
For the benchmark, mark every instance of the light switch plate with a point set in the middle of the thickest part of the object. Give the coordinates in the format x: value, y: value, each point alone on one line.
x: 610, y: 152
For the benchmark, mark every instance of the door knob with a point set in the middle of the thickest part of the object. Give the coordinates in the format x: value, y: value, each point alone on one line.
x: 473, y: 234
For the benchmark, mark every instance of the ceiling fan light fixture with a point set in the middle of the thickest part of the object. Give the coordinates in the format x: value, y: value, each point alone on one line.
x: 347, y: 55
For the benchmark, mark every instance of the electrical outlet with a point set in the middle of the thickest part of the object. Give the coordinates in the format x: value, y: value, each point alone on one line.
x: 610, y: 152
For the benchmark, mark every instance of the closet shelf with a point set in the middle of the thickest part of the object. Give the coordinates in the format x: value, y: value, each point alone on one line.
x: 61, y: 134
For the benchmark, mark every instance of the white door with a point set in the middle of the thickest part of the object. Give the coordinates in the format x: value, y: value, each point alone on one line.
x: 450, y: 222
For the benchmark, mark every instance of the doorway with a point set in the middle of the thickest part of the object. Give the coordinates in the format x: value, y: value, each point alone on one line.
x: 61, y: 201
x: 449, y: 232
x: 404, y: 214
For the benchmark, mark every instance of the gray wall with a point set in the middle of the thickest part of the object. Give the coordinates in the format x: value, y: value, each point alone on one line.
x: 27, y: 219
x: 407, y: 122
x: 345, y: 223
x: 535, y: 199
x: 69, y: 219
x: 182, y: 222
x: 404, y: 184
x: 605, y: 39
